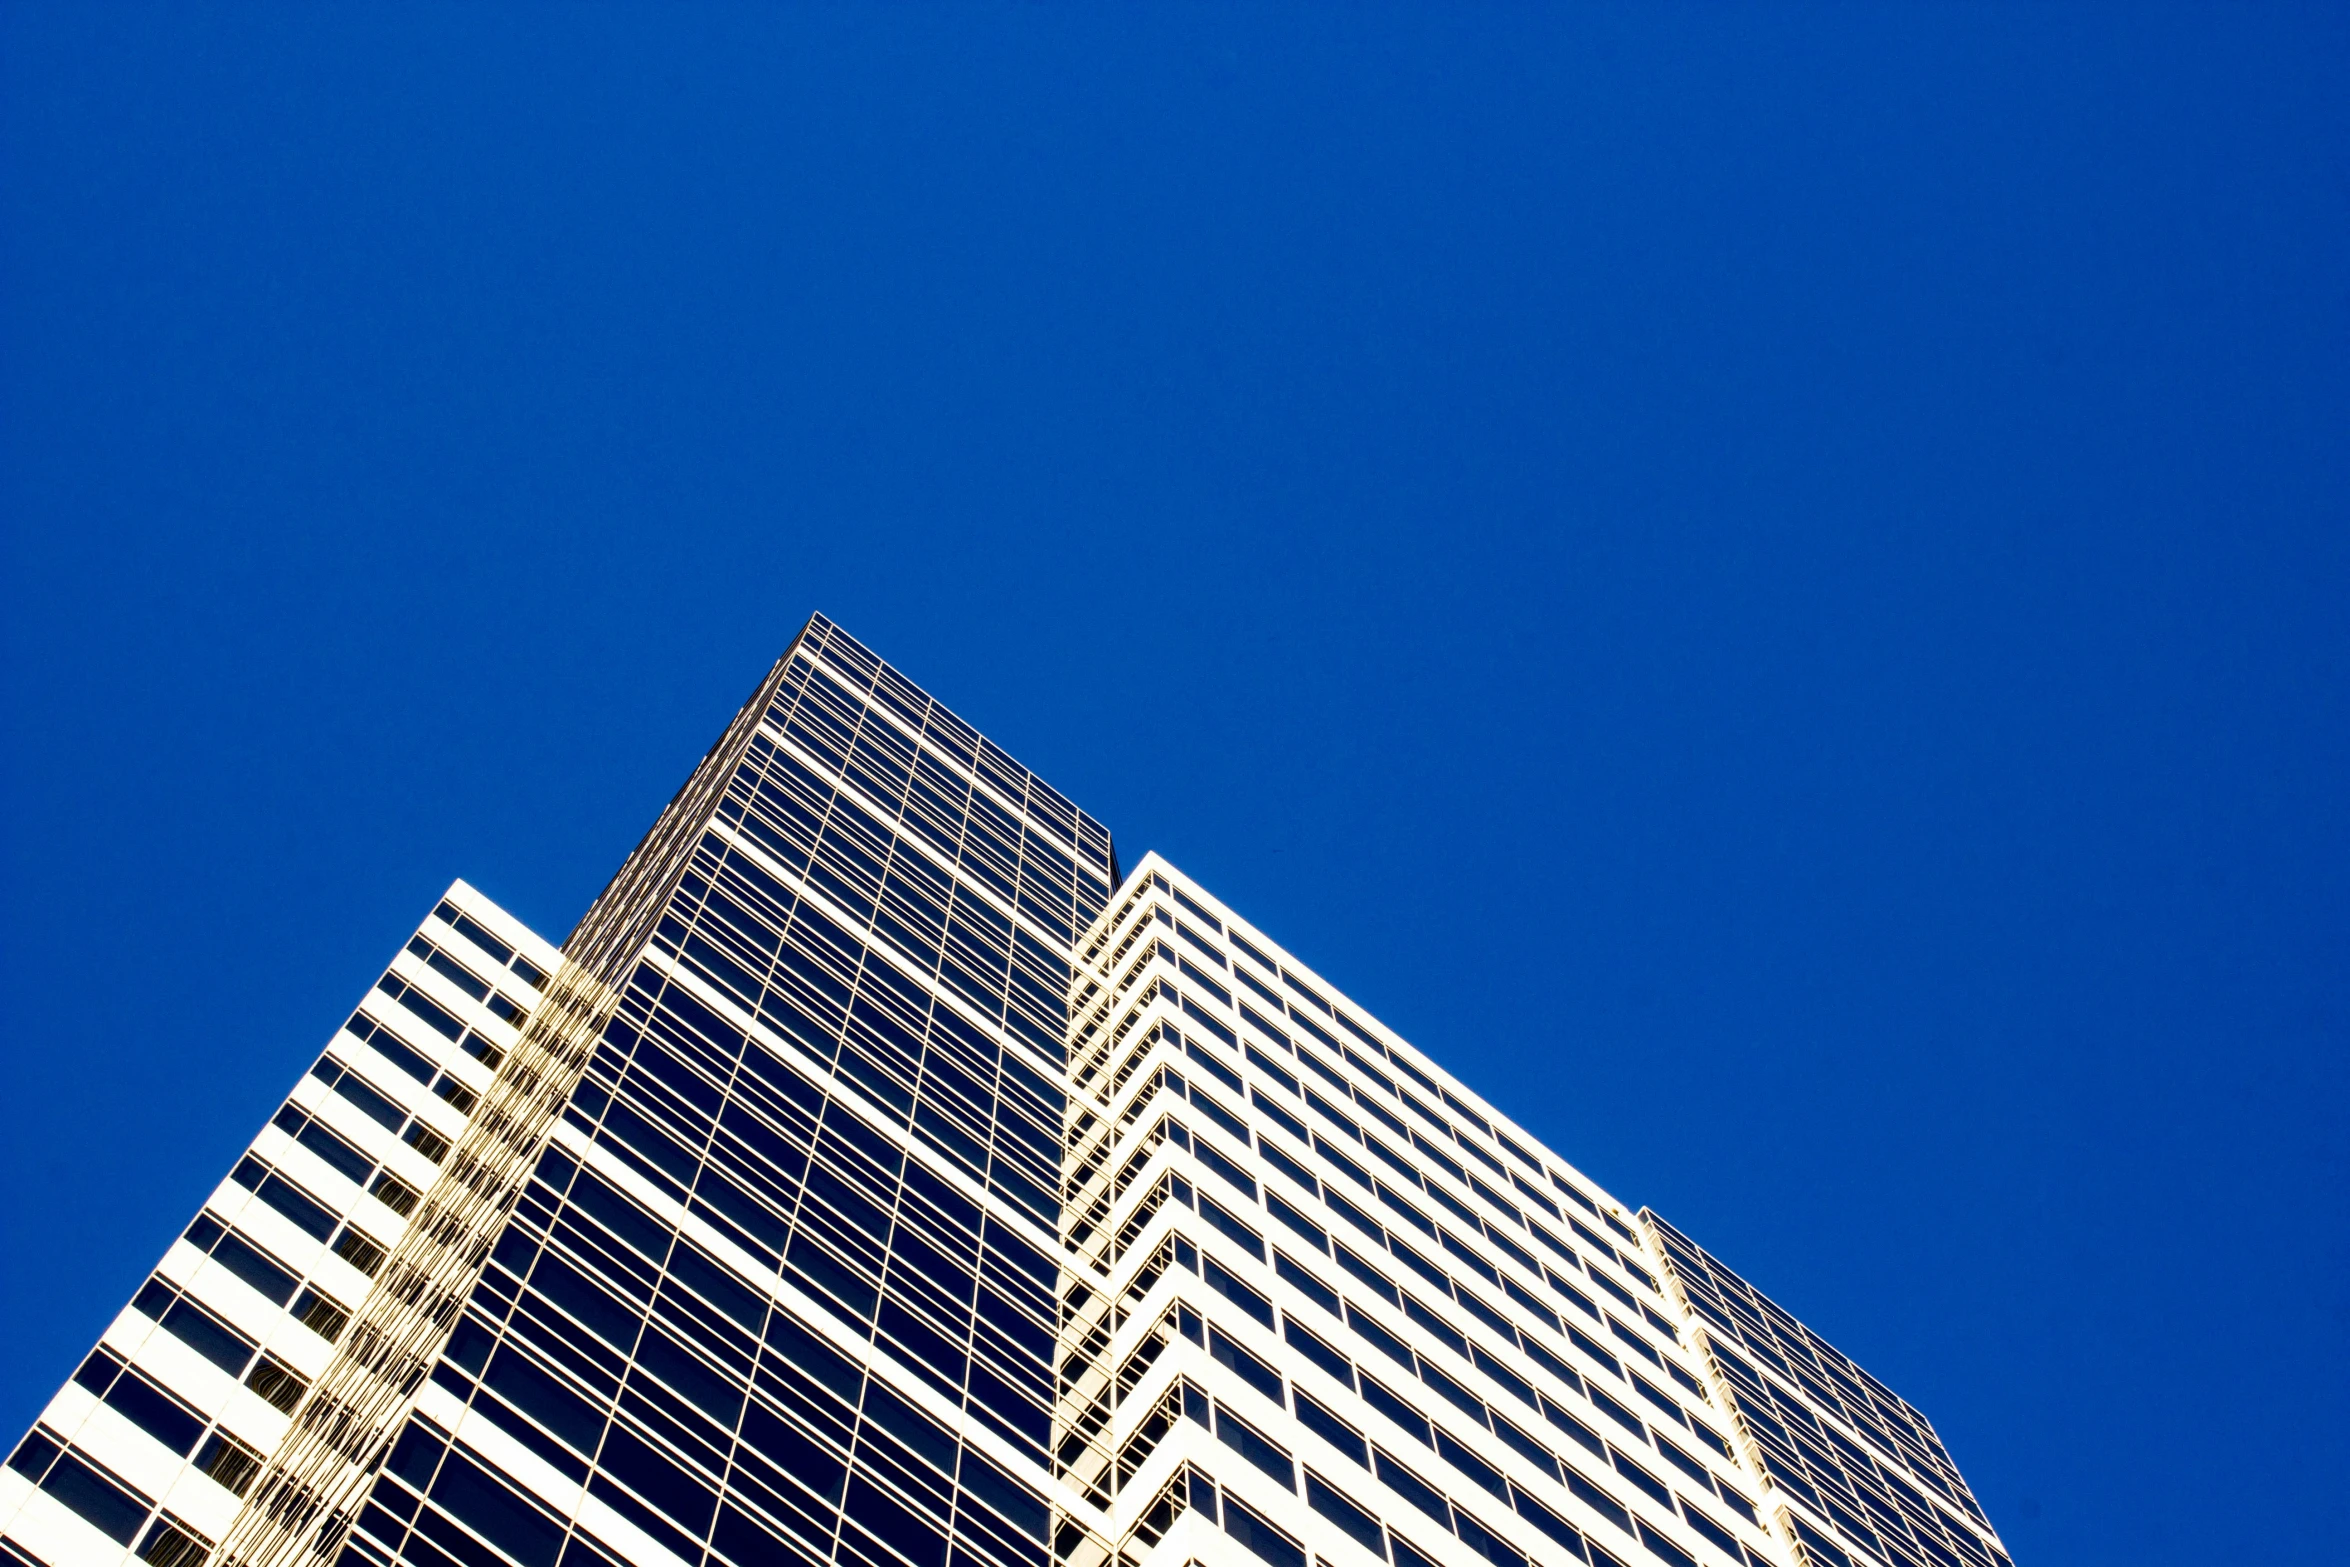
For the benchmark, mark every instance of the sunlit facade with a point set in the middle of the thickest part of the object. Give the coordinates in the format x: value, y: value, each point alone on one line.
x: 877, y: 1176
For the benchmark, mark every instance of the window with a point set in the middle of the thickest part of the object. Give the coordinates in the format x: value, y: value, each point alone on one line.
x: 1279, y: 1074
x: 1579, y: 1433
x: 279, y: 1384
x: 1250, y: 1444
x: 1642, y: 1479
x: 1661, y: 1399
x: 1205, y: 917
x: 1526, y: 1446
x: 1223, y: 1282
x: 394, y: 1194
x: 1307, y: 1344
x: 148, y: 1405
x: 1231, y: 1228
x: 374, y: 1105
x: 322, y: 1141
x: 257, y: 1268
x: 1479, y: 1473
x: 1262, y: 1538
x: 312, y: 1217
x: 1431, y: 1321
x: 359, y: 1250
x: 171, y: 1543
x: 320, y: 1314
x: 1640, y: 1346
x: 1282, y: 1118
x: 1213, y: 1067
x: 1203, y: 946
x: 1686, y: 1464
x: 1305, y: 1283
x: 194, y: 1326
x: 448, y: 914
x: 1331, y: 1429
x: 1245, y: 1364
x: 1404, y: 1415
x: 1411, y: 1487
x: 231, y: 1464
x: 106, y: 1503
x: 1367, y: 1329
x: 1713, y: 1533
x: 1377, y: 1282
x: 1351, y: 1520
x: 1597, y: 1500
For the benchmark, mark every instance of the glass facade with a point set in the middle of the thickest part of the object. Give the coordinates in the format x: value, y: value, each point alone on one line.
x: 880, y: 1178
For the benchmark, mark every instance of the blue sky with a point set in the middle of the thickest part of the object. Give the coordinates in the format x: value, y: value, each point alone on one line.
x: 1768, y: 584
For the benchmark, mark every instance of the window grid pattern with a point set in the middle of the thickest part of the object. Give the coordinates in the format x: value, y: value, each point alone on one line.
x: 1868, y: 1466
x: 825, y: 1112
x: 1444, y: 1382
x: 1155, y: 970
x: 1312, y: 1135
x: 880, y: 1179
x: 223, y: 1341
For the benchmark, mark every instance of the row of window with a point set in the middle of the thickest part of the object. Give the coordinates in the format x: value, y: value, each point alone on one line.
x: 1403, y: 1479
x: 965, y: 828
x: 1434, y: 1323
x: 841, y: 1244
x: 437, y: 1018
x: 1193, y: 1491
x: 115, y: 1506
x: 309, y: 1215
x: 738, y: 1126
x: 496, y: 1002
x: 998, y: 848
x: 1401, y: 1413
x: 1870, y: 1503
x: 795, y: 964
x: 339, y: 1154
x: 1412, y: 1172
x: 727, y: 898
x: 274, y: 1280
x: 820, y: 814
x: 1400, y: 1477
x: 1011, y: 1164
x: 997, y: 1355
x: 1754, y: 1320
x: 1424, y: 1181
x: 479, y: 934
x: 706, y: 1377
x: 1475, y: 1305
x: 867, y: 869
x: 166, y: 1415
x: 162, y: 1414
x: 1470, y: 1301
x: 980, y: 1343
x: 1300, y: 1008
x: 445, y: 1083
x: 1206, y: 1061
x: 356, y: 1090
x: 1800, y: 1438
x: 1339, y: 1203
x: 860, y: 673
x: 106, y: 1501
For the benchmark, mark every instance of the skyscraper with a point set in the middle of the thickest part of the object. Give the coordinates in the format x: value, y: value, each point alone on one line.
x: 879, y: 1176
